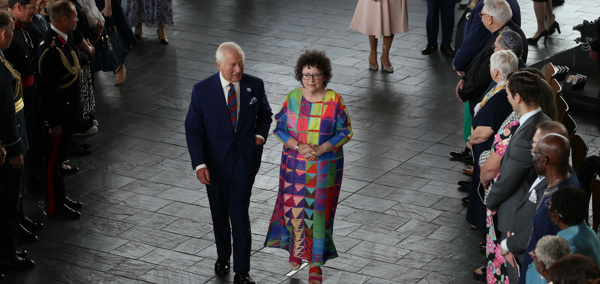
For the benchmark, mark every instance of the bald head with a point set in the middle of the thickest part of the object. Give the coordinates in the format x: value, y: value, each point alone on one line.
x: 556, y: 148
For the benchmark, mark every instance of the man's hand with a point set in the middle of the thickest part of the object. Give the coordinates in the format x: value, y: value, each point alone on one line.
x: 16, y: 162
x: 203, y: 175
x: 510, y: 258
x: 55, y: 131
x: 259, y: 141
x: 459, y: 86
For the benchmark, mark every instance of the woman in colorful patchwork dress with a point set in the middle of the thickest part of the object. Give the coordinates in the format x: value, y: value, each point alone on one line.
x: 313, y: 124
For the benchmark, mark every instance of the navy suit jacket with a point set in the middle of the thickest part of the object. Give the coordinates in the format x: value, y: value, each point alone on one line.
x: 210, y: 136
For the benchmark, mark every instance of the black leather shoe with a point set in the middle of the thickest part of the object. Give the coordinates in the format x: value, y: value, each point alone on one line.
x: 17, y: 263
x: 466, y: 153
x: 73, y: 204
x: 447, y: 49
x: 26, y: 236
x: 30, y: 224
x: 429, y: 49
x: 243, y: 278
x: 68, y: 169
x: 465, y: 183
x: 22, y: 253
x: 222, y: 267
x: 67, y: 212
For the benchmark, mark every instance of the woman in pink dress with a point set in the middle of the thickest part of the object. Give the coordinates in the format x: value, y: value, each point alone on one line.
x: 377, y: 18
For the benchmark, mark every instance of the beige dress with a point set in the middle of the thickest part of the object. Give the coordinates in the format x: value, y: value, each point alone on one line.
x: 380, y: 17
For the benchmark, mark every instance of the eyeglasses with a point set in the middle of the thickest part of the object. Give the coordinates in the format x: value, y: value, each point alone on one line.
x: 532, y: 254
x: 536, y: 153
x: 494, y: 46
x: 531, y: 142
x: 481, y: 14
x: 548, y: 204
x: 315, y: 76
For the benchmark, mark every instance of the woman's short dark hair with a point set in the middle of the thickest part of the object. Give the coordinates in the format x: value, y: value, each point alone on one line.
x: 571, y: 204
x: 314, y: 58
x: 573, y: 268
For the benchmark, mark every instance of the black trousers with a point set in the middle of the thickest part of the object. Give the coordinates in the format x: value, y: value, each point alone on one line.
x: 57, y: 148
x: 229, y: 203
x: 10, y: 182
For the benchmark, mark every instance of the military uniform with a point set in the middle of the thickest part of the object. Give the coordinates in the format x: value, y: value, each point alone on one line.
x: 59, y: 83
x: 13, y: 139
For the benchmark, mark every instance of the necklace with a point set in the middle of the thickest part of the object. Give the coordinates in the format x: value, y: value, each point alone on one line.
x: 554, y: 183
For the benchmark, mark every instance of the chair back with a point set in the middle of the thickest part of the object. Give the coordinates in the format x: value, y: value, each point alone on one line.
x: 561, y: 108
x: 569, y: 123
x: 548, y: 71
x: 578, y: 152
x: 556, y: 88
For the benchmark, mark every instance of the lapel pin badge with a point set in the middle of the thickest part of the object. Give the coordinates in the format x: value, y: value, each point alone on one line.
x: 248, y: 90
x: 252, y: 100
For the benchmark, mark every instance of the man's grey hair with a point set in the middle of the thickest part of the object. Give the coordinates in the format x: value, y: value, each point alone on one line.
x: 505, y: 61
x: 5, y: 20
x: 550, y: 249
x: 499, y: 9
x: 511, y: 40
x: 231, y: 46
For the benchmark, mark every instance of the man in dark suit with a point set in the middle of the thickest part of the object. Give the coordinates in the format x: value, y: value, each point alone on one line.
x: 226, y: 127
x: 517, y: 173
x: 12, y: 148
x: 59, y: 72
x: 525, y: 210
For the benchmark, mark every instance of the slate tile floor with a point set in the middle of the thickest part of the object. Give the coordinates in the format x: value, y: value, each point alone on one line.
x: 146, y: 217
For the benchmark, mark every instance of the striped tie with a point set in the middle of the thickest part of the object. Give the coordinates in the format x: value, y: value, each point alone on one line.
x: 232, y: 105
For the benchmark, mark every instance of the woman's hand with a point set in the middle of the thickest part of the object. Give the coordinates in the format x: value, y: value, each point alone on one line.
x: 306, y: 151
x: 107, y: 11
x: 321, y: 149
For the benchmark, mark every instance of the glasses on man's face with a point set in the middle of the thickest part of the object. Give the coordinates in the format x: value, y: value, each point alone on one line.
x: 481, y: 14
x: 315, y: 76
x: 532, y: 254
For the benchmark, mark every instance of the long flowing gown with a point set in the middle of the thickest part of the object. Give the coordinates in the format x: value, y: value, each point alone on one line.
x: 302, y: 220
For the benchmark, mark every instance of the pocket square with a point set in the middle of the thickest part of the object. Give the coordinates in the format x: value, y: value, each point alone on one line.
x: 252, y: 100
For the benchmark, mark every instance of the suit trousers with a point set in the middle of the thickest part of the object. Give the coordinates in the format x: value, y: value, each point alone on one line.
x: 57, y: 148
x: 437, y: 9
x: 229, y: 203
x: 9, y: 201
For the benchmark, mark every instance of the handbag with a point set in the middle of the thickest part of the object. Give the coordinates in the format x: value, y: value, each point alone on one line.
x: 110, y: 49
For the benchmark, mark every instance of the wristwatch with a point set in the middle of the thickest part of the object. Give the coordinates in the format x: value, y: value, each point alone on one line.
x: 297, y: 147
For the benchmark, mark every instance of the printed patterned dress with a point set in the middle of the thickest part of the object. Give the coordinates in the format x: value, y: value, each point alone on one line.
x: 496, y: 270
x: 150, y: 12
x: 302, y: 221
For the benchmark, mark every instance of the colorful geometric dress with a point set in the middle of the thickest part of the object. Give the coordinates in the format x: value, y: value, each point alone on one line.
x: 302, y: 220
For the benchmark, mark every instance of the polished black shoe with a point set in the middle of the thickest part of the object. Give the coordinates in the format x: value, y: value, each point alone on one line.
x: 534, y: 40
x: 30, y: 224
x: 466, y: 153
x: 553, y: 28
x: 22, y: 253
x: 73, y: 204
x: 465, y: 183
x: 17, y: 263
x: 447, y: 49
x: 25, y: 235
x: 464, y: 189
x: 429, y: 49
x: 243, y: 278
x: 479, y: 274
x: 67, y: 212
x: 222, y: 267
x: 462, y: 6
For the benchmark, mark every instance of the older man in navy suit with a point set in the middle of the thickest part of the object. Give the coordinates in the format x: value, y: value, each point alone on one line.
x: 226, y: 128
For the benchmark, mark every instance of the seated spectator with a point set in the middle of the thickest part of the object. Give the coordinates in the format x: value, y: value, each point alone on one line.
x: 574, y: 268
x: 549, y: 250
x: 568, y: 209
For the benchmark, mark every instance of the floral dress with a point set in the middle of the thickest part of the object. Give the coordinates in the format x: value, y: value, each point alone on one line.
x: 302, y: 220
x: 150, y: 12
x: 496, y: 271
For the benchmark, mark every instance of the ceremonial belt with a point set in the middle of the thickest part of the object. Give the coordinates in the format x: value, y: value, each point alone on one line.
x: 18, y: 91
x: 27, y: 81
